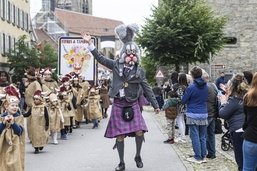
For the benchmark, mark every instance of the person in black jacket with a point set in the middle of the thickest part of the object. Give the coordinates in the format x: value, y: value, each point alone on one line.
x: 231, y: 109
x: 250, y: 128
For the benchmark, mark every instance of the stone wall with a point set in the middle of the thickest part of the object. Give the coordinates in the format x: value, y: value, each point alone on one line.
x: 241, y: 24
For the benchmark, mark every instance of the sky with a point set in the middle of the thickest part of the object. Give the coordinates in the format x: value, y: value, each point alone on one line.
x: 127, y: 11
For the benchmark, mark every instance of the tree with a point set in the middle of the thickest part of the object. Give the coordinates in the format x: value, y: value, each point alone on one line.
x: 24, y: 56
x: 150, y: 69
x: 21, y: 58
x: 182, y: 31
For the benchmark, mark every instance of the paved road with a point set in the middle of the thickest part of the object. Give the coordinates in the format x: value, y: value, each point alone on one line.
x: 88, y: 150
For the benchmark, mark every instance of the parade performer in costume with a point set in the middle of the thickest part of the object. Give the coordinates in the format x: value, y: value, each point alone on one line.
x: 55, y: 117
x: 12, y: 135
x: 103, y: 91
x: 39, y: 122
x: 48, y: 79
x: 128, y: 81
x: 93, y: 107
x: 80, y: 96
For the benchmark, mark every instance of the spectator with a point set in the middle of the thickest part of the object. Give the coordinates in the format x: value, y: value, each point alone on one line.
x: 212, y: 112
x: 220, y: 81
x: 195, y: 98
x: 250, y: 128
x: 248, y: 76
x: 231, y: 110
x: 158, y: 95
x: 171, y: 112
x: 182, y: 81
x: 174, y: 80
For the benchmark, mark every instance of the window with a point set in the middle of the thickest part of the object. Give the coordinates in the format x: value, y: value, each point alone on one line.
x: 13, y: 16
x: 10, y: 44
x: 230, y: 40
x: 26, y: 21
x: 1, y: 43
x: 2, y: 7
x: 22, y: 20
x: 8, y: 11
x: 7, y: 47
x: 18, y: 17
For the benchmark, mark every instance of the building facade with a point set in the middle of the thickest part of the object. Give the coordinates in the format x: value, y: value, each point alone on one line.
x: 240, y: 52
x: 14, y: 22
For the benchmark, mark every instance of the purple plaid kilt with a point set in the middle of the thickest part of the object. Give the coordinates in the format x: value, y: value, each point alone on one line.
x: 116, y: 126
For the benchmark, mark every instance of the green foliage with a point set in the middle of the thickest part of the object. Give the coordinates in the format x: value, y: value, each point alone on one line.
x: 182, y: 31
x: 23, y: 56
x: 48, y: 57
x: 150, y: 68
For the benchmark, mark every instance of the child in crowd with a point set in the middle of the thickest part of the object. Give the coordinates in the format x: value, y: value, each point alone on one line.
x: 170, y: 107
x: 93, y: 107
x: 65, y: 104
x: 12, y: 136
x: 56, y: 117
x: 39, y: 122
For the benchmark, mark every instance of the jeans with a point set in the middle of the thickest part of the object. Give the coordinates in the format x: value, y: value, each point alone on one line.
x: 181, y: 125
x: 237, y: 141
x: 198, y: 138
x: 250, y: 156
x: 210, y: 139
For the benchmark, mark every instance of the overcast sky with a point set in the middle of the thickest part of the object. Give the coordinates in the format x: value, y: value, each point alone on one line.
x: 127, y: 11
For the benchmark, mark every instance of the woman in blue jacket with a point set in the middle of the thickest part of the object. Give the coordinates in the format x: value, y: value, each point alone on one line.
x: 195, y: 98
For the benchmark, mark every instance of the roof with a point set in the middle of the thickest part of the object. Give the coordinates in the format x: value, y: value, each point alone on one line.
x: 79, y: 22
x: 43, y: 37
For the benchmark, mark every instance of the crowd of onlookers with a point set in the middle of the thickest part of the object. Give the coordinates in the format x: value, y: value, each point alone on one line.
x: 193, y: 103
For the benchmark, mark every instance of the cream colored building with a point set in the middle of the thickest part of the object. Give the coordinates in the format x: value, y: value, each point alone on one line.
x: 14, y: 22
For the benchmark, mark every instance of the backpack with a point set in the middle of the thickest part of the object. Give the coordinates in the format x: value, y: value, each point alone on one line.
x: 171, y: 112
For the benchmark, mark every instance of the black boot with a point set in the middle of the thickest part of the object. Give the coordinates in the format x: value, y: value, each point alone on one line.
x: 139, y: 162
x: 95, y: 124
x: 36, y: 150
x: 120, y: 167
x: 71, y: 129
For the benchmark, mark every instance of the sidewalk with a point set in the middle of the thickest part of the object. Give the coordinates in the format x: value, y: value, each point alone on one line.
x: 224, y: 160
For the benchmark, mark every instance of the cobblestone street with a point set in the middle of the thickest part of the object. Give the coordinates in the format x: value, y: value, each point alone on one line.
x: 224, y: 160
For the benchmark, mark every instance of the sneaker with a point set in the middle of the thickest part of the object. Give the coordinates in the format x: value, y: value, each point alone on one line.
x: 193, y: 160
x: 204, y: 160
x: 180, y: 140
x: 168, y: 141
x: 55, y: 142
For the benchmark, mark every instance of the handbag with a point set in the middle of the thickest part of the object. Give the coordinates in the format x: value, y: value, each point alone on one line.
x: 127, y: 113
